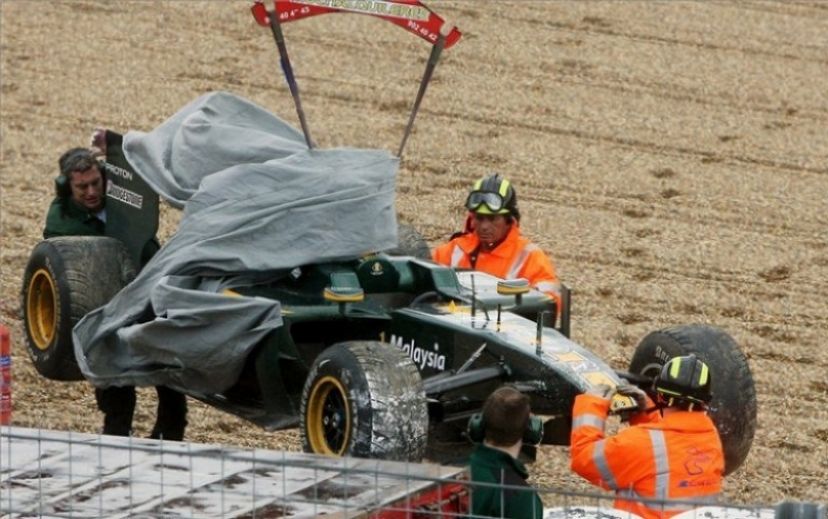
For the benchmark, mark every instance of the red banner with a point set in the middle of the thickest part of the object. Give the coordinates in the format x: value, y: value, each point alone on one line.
x: 411, y: 15
x: 5, y: 377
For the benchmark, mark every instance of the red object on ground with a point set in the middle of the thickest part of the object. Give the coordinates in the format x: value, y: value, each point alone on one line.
x: 445, y: 501
x: 5, y: 377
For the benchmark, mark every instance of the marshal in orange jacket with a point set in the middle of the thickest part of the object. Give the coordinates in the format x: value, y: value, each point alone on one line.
x: 515, y: 257
x: 675, y: 459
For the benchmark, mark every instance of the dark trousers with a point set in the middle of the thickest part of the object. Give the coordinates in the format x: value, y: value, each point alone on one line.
x: 118, y: 406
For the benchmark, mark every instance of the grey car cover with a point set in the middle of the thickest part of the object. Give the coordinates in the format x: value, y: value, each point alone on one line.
x: 257, y: 204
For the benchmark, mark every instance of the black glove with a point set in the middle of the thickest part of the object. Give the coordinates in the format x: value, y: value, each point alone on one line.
x: 636, y: 393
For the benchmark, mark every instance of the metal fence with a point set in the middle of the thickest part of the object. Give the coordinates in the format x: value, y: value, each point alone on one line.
x: 60, y: 474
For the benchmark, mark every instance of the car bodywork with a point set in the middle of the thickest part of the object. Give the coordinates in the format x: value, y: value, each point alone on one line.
x: 464, y: 344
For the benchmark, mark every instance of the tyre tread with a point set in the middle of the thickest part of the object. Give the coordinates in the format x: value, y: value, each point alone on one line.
x: 87, y: 272
x: 391, y: 417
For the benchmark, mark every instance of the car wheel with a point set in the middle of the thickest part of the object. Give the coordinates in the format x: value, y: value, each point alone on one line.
x: 65, y: 279
x: 364, y: 399
x: 410, y: 243
x: 733, y: 408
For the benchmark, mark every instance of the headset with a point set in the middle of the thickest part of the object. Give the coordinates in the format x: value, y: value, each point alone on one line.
x: 532, y: 435
x: 62, y: 188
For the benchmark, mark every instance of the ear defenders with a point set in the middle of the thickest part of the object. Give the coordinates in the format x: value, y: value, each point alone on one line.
x: 62, y: 189
x: 532, y: 435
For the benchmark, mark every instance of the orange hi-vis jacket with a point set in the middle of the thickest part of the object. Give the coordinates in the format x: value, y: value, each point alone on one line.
x: 677, y: 459
x: 515, y: 257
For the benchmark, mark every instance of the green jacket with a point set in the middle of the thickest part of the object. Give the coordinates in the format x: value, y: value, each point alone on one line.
x: 490, y: 465
x: 74, y: 221
x: 77, y: 221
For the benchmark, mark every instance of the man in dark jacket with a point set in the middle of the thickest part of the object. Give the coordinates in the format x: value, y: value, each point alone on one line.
x: 79, y: 209
x: 498, y: 476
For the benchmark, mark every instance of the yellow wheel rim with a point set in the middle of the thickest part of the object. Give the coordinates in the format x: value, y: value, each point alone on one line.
x: 328, y: 418
x: 41, y: 309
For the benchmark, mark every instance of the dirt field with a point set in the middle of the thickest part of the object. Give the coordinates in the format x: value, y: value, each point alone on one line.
x: 671, y: 156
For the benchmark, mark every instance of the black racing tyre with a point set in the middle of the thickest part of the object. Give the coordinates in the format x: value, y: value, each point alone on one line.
x: 410, y: 243
x: 364, y: 399
x: 65, y: 279
x: 733, y: 407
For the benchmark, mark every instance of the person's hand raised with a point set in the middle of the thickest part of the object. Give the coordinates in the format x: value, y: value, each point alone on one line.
x: 97, y: 142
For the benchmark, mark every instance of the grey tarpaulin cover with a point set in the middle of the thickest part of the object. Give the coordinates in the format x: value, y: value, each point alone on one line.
x: 257, y: 203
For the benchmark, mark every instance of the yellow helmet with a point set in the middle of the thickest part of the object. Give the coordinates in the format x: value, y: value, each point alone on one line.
x: 684, y: 379
x: 493, y: 195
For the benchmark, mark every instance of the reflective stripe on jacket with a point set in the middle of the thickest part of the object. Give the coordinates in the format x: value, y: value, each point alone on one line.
x: 515, y: 257
x: 672, y: 459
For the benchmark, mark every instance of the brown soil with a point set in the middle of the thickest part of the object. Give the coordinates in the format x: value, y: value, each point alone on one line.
x: 671, y: 156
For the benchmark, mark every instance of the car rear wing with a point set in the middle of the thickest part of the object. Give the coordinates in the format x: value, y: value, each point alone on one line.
x: 411, y: 15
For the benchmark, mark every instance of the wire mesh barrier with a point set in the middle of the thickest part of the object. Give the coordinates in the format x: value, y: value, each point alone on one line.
x: 72, y: 475
x: 61, y: 474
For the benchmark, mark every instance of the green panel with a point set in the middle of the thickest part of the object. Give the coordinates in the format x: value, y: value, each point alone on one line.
x: 344, y: 280
x: 427, y: 276
x: 277, y: 358
x: 445, y: 281
x: 131, y: 205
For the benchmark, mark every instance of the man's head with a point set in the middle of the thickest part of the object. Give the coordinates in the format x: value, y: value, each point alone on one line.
x: 684, y: 382
x: 493, y: 204
x: 81, y: 179
x: 505, y: 416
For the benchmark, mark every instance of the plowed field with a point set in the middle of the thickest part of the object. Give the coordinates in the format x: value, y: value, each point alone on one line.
x: 671, y: 156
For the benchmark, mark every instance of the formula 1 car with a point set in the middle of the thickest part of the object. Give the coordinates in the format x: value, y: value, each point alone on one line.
x: 382, y: 355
